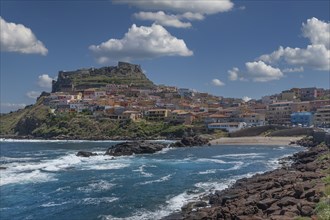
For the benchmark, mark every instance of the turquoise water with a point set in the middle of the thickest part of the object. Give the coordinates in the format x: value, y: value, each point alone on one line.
x: 45, y: 180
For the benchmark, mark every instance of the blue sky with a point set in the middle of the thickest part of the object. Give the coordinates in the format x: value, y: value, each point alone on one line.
x: 227, y: 48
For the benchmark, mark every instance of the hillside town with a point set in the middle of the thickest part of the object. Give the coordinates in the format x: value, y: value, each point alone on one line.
x: 303, y: 107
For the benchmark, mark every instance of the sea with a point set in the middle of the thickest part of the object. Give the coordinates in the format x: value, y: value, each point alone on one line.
x: 46, y: 180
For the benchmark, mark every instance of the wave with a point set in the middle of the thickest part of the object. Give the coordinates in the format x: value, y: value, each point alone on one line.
x: 162, y: 179
x: 35, y: 176
x: 46, y: 169
x: 207, y: 171
x: 57, y: 141
x: 211, y: 160
x: 97, y: 186
x: 97, y: 201
x: 142, y: 171
x: 247, y: 155
x: 52, y: 204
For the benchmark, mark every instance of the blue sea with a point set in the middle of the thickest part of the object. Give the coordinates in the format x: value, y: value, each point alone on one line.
x: 45, y: 180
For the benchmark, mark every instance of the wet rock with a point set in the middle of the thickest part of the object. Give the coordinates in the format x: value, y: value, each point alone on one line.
x: 135, y: 147
x: 191, y: 141
x: 85, y: 154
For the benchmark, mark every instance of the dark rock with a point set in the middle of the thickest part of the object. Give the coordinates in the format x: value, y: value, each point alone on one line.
x: 85, y: 154
x: 286, y: 201
x: 264, y: 204
x: 135, y: 147
x: 191, y: 141
x: 3, y: 168
x: 306, y: 210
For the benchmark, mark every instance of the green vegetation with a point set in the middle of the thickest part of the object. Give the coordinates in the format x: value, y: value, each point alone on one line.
x: 37, y: 121
x: 302, y: 218
x: 323, y: 210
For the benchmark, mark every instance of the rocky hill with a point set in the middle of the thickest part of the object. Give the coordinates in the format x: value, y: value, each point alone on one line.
x: 123, y: 73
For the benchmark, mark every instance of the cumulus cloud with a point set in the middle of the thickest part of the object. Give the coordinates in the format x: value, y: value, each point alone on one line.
x: 261, y: 72
x: 246, y: 99
x: 33, y: 94
x: 163, y: 19
x: 141, y: 43
x: 183, y: 10
x: 194, y: 6
x: 20, y: 39
x: 217, y: 82
x: 45, y: 81
x: 234, y: 74
x: 315, y: 56
x: 318, y: 32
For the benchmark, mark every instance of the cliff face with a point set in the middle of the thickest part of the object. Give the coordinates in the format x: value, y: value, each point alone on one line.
x: 123, y: 73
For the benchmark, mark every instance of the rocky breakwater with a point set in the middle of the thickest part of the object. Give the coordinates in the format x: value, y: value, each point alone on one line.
x: 285, y: 193
x: 134, y: 147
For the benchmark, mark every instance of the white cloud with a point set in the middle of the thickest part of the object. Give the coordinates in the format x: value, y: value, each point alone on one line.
x: 33, y: 94
x: 45, y: 81
x: 234, y: 74
x: 194, y: 6
x: 18, y: 38
x: 192, y: 16
x: 217, y: 82
x: 315, y: 56
x: 141, y: 43
x: 163, y: 19
x: 246, y: 99
x: 317, y: 31
x: 293, y: 70
x: 261, y: 72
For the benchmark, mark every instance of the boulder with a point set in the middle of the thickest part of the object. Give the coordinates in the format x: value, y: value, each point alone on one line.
x: 135, y: 147
x: 85, y: 154
x: 190, y: 142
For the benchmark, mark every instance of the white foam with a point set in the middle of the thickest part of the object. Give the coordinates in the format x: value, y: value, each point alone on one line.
x: 211, y: 160
x: 207, y: 172
x: 52, y: 204
x: 70, y: 161
x: 162, y: 179
x: 97, y: 201
x: 247, y: 155
x: 142, y: 171
x: 97, y: 186
x: 57, y: 141
x: 35, y: 176
x: 9, y: 159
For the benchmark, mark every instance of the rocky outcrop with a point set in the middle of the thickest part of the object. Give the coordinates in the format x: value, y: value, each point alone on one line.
x: 284, y: 193
x: 85, y: 154
x: 190, y: 142
x: 135, y: 147
x: 123, y: 73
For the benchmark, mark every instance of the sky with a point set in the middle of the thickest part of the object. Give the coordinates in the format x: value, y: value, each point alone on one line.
x: 223, y: 47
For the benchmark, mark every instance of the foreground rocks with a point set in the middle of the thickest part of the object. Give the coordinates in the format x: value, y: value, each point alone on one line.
x: 284, y: 193
x: 190, y: 142
x: 85, y: 154
x: 135, y: 147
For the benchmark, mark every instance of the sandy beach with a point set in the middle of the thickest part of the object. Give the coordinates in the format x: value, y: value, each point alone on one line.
x: 255, y: 141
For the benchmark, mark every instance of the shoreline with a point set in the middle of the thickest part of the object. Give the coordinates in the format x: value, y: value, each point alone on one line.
x: 288, y: 192
x: 257, y: 140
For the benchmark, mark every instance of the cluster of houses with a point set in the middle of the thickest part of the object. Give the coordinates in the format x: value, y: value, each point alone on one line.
x: 295, y: 107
